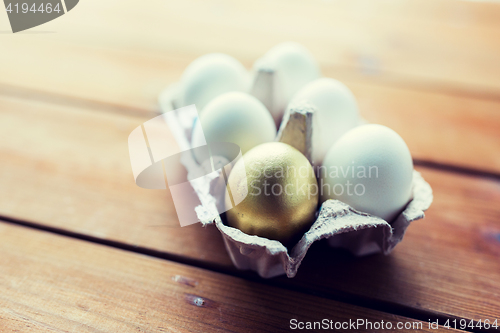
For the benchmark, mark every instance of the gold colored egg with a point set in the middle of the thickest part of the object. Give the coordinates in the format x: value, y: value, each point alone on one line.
x: 277, y: 190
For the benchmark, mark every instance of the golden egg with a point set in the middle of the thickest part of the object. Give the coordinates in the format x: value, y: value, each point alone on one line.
x: 277, y: 193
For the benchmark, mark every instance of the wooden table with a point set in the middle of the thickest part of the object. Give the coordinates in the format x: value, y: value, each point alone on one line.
x: 83, y: 249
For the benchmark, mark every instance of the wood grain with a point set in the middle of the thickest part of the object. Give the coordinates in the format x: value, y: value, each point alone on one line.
x: 51, y: 283
x: 435, y: 43
x: 68, y: 168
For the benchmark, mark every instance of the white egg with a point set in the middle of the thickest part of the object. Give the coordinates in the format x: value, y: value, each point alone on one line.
x: 294, y: 66
x: 233, y: 117
x: 369, y: 168
x: 211, y: 75
x: 336, y: 113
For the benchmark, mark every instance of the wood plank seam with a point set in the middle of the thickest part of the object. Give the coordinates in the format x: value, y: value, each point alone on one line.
x: 457, y: 169
x: 73, y: 101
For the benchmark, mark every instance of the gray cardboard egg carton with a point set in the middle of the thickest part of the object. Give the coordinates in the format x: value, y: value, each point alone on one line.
x: 342, y: 226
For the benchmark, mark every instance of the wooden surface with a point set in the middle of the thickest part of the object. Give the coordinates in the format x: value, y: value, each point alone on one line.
x: 96, y: 253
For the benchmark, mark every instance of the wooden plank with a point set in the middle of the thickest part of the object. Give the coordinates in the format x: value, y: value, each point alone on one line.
x: 51, y: 283
x: 441, y: 44
x: 68, y: 168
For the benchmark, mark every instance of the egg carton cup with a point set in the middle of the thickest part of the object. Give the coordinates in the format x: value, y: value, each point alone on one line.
x: 343, y: 226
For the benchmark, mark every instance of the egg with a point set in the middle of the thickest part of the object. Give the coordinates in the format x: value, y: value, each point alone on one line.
x: 276, y: 191
x: 293, y: 67
x: 211, y: 75
x: 234, y: 117
x: 336, y: 113
x: 369, y: 168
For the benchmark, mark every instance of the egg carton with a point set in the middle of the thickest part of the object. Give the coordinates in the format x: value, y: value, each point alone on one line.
x: 343, y: 226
